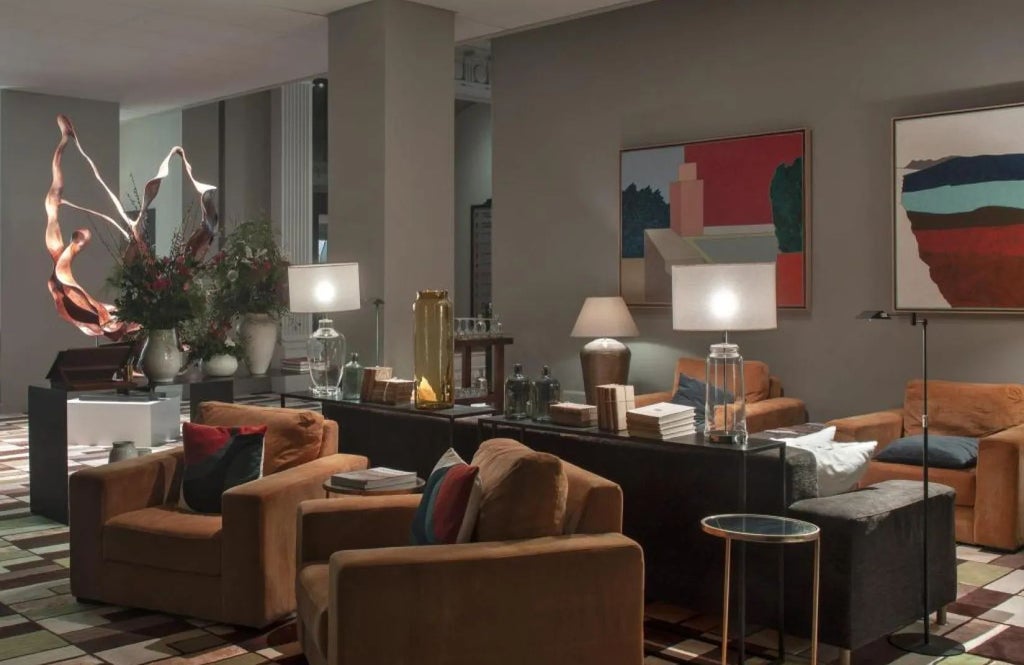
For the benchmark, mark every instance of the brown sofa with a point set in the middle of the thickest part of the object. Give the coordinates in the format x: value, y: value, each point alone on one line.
x: 767, y: 408
x: 132, y: 546
x: 366, y: 597
x: 989, y: 497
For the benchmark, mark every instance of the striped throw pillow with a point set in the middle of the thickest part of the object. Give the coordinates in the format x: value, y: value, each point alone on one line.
x: 450, y: 503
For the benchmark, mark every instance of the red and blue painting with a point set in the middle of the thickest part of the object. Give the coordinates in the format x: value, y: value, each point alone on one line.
x: 734, y: 200
x: 958, y: 212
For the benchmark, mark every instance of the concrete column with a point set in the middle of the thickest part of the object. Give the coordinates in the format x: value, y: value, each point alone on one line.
x: 391, y: 182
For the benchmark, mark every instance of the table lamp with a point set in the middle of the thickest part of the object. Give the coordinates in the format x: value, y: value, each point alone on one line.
x: 604, y: 360
x: 724, y: 297
x: 318, y: 289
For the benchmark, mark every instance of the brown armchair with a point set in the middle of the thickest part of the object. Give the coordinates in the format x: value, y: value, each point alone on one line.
x: 767, y: 408
x: 989, y: 497
x: 365, y: 597
x: 132, y: 546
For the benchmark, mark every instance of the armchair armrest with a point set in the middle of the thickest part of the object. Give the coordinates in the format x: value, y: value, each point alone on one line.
x: 775, y: 412
x: 97, y: 494
x: 258, y: 538
x: 327, y: 526
x: 881, y: 426
x: 547, y: 600
x: 998, y: 510
x: 653, y: 398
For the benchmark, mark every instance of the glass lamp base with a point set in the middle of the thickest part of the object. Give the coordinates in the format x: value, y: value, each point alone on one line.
x: 727, y: 437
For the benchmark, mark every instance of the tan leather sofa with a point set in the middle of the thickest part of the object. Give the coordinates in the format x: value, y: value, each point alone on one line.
x: 132, y: 546
x: 366, y: 597
x: 989, y: 508
x: 766, y: 406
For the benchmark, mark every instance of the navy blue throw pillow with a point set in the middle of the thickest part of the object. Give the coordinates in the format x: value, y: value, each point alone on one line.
x: 944, y: 452
x: 692, y: 392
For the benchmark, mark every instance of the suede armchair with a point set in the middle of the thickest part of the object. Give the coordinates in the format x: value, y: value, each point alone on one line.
x: 767, y: 408
x: 132, y: 546
x: 365, y: 597
x: 989, y: 497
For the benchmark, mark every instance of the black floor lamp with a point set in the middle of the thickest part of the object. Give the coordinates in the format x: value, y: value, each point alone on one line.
x: 924, y: 642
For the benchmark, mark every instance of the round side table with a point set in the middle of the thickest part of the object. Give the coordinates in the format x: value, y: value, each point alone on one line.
x: 764, y: 529
x: 384, y: 491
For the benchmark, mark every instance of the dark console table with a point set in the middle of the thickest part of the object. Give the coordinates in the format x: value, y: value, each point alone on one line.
x: 48, y: 439
x: 495, y: 371
x: 399, y: 436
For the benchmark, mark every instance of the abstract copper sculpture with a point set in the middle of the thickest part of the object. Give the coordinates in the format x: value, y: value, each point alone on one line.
x: 73, y: 302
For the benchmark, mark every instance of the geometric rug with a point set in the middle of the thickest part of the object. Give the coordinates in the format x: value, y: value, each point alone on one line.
x: 41, y: 623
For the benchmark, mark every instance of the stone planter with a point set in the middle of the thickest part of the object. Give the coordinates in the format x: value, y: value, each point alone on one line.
x: 220, y: 365
x: 161, y: 359
x: 259, y: 333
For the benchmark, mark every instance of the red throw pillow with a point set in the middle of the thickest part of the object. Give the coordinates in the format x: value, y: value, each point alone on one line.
x: 451, y: 500
x: 217, y: 459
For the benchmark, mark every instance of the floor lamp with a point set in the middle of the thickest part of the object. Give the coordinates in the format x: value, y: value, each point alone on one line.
x: 923, y: 643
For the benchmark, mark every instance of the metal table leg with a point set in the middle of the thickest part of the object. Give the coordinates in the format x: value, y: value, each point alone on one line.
x: 725, y: 601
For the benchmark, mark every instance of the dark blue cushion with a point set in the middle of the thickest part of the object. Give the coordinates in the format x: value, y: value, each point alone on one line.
x: 944, y: 452
x: 692, y: 392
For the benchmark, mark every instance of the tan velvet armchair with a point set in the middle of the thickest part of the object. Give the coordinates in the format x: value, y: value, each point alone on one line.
x: 132, y: 546
x: 767, y: 408
x: 989, y: 497
x: 367, y: 598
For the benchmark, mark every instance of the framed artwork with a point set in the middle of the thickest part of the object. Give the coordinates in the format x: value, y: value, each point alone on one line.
x: 734, y: 200
x: 958, y: 211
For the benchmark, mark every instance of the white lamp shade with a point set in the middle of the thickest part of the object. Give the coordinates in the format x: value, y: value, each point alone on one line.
x: 323, y: 287
x: 605, y: 317
x: 724, y: 296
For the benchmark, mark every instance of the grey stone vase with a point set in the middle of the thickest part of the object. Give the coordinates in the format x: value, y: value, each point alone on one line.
x: 122, y: 450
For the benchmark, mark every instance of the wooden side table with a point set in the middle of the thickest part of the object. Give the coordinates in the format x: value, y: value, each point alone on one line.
x: 764, y: 529
x: 495, y: 347
x: 384, y: 491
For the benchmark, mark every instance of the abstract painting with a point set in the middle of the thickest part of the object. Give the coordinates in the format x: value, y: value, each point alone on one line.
x: 733, y: 200
x: 958, y: 211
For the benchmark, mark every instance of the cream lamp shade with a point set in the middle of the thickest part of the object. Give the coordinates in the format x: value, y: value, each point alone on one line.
x: 604, y: 317
x: 323, y: 287
x: 724, y: 297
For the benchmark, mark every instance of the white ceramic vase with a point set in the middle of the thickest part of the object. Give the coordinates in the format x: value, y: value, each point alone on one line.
x: 161, y: 359
x: 221, y: 364
x: 259, y: 333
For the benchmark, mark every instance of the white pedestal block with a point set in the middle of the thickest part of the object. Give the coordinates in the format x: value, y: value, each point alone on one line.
x: 145, y: 423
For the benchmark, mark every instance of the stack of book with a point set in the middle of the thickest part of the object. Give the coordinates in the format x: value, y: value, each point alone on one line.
x: 573, y: 415
x: 371, y: 377
x: 663, y: 420
x: 613, y: 401
x: 377, y: 478
x: 392, y: 391
x: 295, y: 364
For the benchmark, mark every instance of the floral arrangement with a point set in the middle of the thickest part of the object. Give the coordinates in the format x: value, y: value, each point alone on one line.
x: 249, y: 275
x: 157, y: 292
x: 206, y: 338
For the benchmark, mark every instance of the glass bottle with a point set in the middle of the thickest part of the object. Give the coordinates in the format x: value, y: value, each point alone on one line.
x: 482, y: 385
x: 725, y: 409
x: 326, y: 353
x: 352, y: 378
x: 544, y: 391
x: 517, y: 395
x: 434, y: 350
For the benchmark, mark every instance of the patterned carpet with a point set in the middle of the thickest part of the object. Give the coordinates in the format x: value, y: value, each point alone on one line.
x: 41, y: 623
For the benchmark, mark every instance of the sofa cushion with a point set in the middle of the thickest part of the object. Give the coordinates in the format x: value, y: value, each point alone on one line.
x: 217, y: 459
x: 963, y: 409
x: 693, y: 392
x: 964, y: 482
x: 524, y: 492
x: 294, y: 436
x: 165, y: 537
x: 944, y: 452
x: 756, y: 378
x: 311, y: 596
x: 451, y: 500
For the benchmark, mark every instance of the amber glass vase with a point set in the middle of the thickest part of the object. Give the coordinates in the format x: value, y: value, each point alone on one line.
x: 434, y: 350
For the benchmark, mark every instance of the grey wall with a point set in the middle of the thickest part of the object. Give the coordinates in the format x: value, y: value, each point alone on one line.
x: 33, y: 332
x: 200, y: 137
x: 246, y: 177
x: 472, y: 187
x: 145, y: 142
x: 671, y: 71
